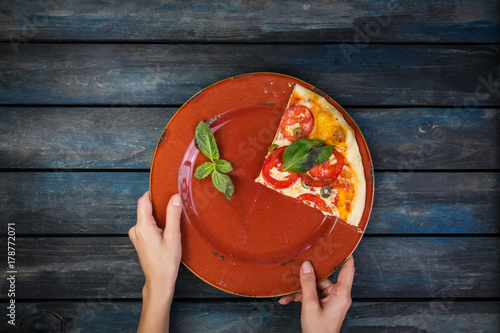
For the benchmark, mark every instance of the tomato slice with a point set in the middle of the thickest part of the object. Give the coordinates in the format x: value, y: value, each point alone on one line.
x: 316, y: 200
x: 326, y: 173
x: 297, y: 122
x: 314, y: 182
x: 328, y: 170
x: 276, y: 160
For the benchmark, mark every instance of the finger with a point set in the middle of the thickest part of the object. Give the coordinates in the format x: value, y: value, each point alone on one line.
x: 326, y: 283
x: 131, y: 234
x: 144, y: 210
x: 308, y: 283
x: 172, y: 225
x: 346, y: 274
x: 286, y: 299
x: 296, y: 297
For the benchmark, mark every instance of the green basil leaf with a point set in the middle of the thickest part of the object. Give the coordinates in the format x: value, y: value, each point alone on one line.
x: 204, y: 169
x: 229, y: 189
x: 317, y: 155
x: 325, y: 154
x: 223, y: 166
x: 301, y: 155
x: 205, y: 141
x: 223, y: 183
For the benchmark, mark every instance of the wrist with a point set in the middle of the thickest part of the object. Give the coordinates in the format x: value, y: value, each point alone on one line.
x: 155, y: 314
x: 160, y: 293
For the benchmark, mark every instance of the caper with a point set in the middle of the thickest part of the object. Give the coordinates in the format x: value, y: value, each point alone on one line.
x: 297, y: 131
x: 326, y: 191
x: 272, y: 148
x: 304, y: 185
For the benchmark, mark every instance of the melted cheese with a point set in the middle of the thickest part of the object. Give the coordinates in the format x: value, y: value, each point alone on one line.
x: 278, y: 175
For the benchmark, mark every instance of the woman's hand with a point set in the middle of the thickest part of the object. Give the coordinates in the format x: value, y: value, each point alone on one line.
x: 324, y: 305
x: 159, y: 252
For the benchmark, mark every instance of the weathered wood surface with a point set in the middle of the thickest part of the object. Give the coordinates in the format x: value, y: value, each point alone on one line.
x: 401, y: 139
x: 403, y: 69
x: 94, y: 138
x: 104, y: 203
x: 251, y: 21
x: 386, y: 267
x: 439, y: 315
x: 132, y: 74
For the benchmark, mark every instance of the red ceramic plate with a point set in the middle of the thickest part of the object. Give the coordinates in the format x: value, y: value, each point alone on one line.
x: 254, y: 244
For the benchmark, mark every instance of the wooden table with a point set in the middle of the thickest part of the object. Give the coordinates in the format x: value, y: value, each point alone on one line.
x: 86, y: 88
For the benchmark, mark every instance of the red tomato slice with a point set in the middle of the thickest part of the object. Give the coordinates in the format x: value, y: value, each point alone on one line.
x: 299, y: 120
x: 316, y: 200
x: 314, y: 182
x: 276, y: 160
x: 326, y: 173
x: 328, y: 170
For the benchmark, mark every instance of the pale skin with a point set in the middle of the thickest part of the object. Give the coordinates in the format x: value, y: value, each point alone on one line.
x: 324, y: 304
x: 160, y: 253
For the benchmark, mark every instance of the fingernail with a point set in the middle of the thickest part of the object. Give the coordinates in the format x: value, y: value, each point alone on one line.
x: 176, y: 201
x: 307, y: 267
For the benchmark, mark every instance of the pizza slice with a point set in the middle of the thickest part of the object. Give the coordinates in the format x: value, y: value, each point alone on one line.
x: 315, y: 158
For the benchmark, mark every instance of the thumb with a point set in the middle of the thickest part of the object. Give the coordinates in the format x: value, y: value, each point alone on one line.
x: 172, y: 224
x: 308, y: 283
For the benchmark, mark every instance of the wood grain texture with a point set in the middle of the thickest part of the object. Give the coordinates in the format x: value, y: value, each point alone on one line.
x: 109, y: 138
x: 90, y: 85
x: 251, y: 21
x: 104, y: 203
x: 261, y: 316
x: 133, y: 74
x: 414, y: 139
x: 402, y: 139
x: 386, y: 267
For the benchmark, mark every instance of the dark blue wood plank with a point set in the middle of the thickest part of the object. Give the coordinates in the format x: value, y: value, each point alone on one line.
x: 403, y: 139
x: 440, y: 315
x: 414, y: 139
x: 386, y: 267
x: 170, y: 74
x: 435, y: 203
x: 108, y: 138
x: 252, y: 21
x: 443, y: 315
x: 90, y: 203
x: 72, y: 203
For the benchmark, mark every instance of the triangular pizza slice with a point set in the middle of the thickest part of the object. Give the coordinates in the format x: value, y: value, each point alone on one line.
x: 309, y: 127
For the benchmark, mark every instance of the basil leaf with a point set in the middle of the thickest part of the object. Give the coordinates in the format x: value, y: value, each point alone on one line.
x: 223, y: 183
x: 204, y: 169
x: 223, y: 166
x: 229, y: 189
x: 325, y: 154
x: 317, y: 155
x: 205, y: 141
x: 297, y: 156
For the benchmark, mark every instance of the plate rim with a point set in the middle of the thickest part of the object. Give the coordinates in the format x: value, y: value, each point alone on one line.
x: 370, y: 182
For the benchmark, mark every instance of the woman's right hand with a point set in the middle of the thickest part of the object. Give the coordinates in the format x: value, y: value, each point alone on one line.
x: 324, y: 305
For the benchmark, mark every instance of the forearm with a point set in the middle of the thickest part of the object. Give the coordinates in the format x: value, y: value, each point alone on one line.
x: 155, y: 315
